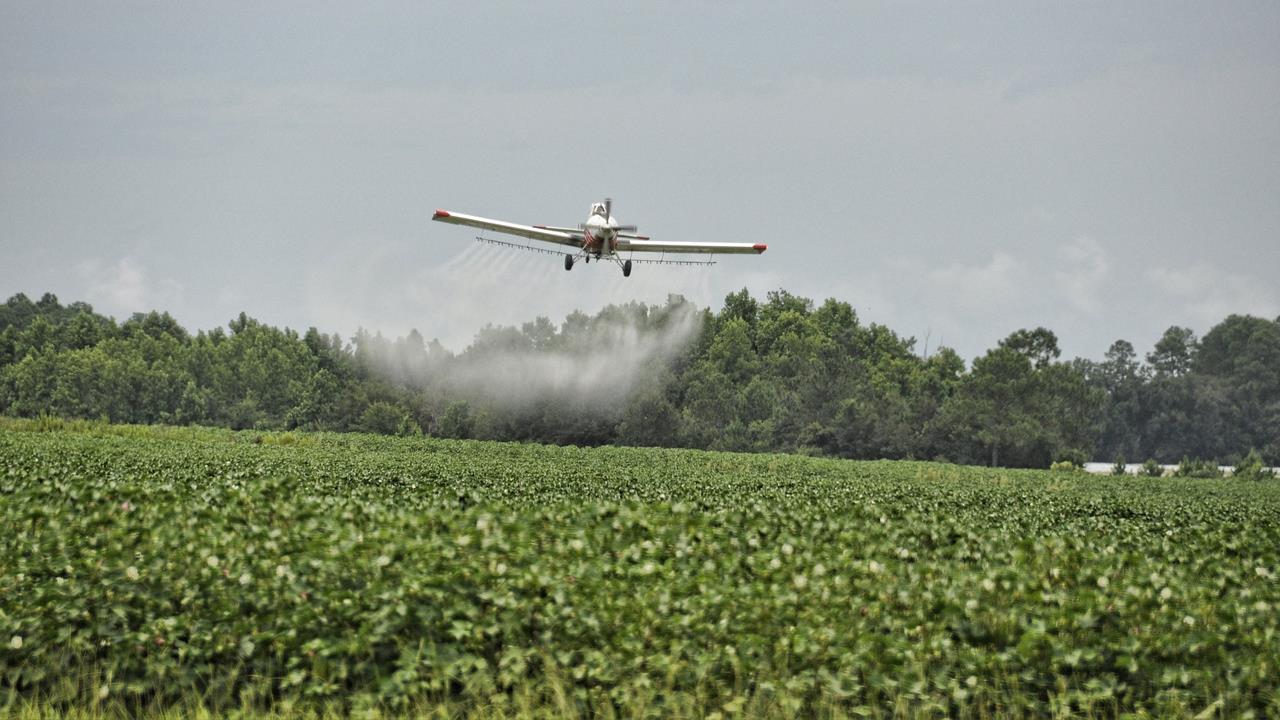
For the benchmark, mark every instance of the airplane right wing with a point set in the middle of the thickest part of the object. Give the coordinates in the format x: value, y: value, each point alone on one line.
x: 560, y: 236
x: 625, y: 244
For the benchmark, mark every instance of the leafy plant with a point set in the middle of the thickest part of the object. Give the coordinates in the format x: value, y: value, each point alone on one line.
x: 1152, y: 468
x: 1252, y: 468
x: 1119, y: 468
x: 1197, y: 469
x: 367, y: 574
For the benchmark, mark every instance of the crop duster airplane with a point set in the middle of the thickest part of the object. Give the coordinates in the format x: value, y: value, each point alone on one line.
x: 599, y: 238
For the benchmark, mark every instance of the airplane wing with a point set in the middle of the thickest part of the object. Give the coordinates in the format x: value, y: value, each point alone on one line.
x: 560, y: 236
x: 625, y: 245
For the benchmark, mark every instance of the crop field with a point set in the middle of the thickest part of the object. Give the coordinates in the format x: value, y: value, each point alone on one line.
x: 144, y: 569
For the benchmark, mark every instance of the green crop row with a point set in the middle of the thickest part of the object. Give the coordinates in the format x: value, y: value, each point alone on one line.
x: 388, y: 573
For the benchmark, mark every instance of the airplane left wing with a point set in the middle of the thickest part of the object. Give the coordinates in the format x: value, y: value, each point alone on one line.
x: 533, y: 232
x: 625, y: 245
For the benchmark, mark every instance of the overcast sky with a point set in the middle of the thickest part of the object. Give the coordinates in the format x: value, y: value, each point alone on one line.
x: 955, y: 171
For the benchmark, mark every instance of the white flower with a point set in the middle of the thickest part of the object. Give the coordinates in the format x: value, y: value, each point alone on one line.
x: 212, y: 560
x: 245, y: 578
x: 1188, y: 621
x: 988, y: 584
x: 787, y: 549
x: 382, y: 561
x: 971, y: 605
x: 281, y: 571
x: 1165, y: 594
x: 463, y: 540
x: 874, y: 567
x: 1103, y: 582
x: 775, y: 563
x: 131, y: 572
x: 16, y: 642
x: 800, y: 581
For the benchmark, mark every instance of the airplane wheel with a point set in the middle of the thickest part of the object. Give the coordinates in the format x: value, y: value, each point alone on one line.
x: 626, y: 269
x: 568, y: 262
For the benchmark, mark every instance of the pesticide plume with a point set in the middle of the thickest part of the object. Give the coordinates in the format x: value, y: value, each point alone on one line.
x: 583, y: 372
x: 598, y: 362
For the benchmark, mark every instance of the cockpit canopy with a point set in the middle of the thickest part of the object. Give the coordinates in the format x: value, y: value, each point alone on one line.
x: 597, y: 209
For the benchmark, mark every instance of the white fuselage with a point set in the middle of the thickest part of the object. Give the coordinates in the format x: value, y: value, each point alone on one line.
x: 601, y: 233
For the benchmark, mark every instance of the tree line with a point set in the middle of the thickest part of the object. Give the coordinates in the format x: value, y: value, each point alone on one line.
x: 778, y: 374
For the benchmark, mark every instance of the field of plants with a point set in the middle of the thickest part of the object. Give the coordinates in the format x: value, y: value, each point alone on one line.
x: 151, y: 568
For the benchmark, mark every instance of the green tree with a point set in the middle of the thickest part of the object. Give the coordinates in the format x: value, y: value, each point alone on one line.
x: 731, y: 352
x: 650, y: 420
x: 154, y: 325
x: 1242, y: 354
x: 17, y: 312
x: 385, y: 418
x: 1124, y: 380
x: 994, y: 407
x: 457, y: 422
x: 1021, y: 407
x: 1040, y: 346
x: 1174, y: 352
x: 318, y: 403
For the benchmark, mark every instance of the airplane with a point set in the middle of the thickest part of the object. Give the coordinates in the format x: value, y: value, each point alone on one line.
x: 599, y: 238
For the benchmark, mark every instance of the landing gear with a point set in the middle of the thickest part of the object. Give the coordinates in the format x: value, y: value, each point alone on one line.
x: 568, y: 262
x: 626, y: 269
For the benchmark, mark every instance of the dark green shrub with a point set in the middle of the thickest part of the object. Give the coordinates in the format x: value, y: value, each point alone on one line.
x: 1119, y: 468
x: 1197, y: 469
x: 1251, y: 468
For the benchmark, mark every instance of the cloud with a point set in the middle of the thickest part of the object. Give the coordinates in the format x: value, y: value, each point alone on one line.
x: 121, y: 284
x: 123, y: 288
x: 980, y: 289
x: 1205, y: 294
x: 1082, y: 274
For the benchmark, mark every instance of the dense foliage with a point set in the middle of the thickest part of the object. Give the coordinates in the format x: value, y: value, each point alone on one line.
x: 248, y: 568
x: 778, y: 375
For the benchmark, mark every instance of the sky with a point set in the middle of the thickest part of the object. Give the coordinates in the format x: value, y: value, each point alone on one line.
x: 955, y: 171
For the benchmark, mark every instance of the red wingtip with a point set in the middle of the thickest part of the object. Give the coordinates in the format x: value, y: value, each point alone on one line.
x: 760, y: 247
x: 440, y: 214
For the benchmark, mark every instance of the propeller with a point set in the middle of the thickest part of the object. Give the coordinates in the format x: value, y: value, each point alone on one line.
x: 608, y: 215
